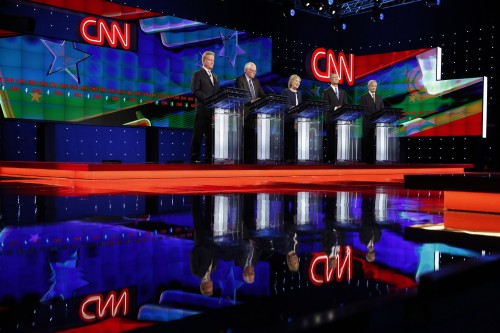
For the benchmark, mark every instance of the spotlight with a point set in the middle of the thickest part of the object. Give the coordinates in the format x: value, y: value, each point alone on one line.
x: 377, y: 14
x: 330, y: 2
x: 432, y: 3
x: 320, y: 7
x: 306, y: 3
x: 289, y: 8
x: 339, y: 24
x: 333, y: 9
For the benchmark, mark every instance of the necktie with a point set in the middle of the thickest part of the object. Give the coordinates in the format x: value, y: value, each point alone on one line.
x: 211, y: 76
x: 336, y: 92
x: 373, y: 96
x: 252, y: 90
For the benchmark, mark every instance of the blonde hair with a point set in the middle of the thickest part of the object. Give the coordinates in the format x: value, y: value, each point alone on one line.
x: 292, y: 78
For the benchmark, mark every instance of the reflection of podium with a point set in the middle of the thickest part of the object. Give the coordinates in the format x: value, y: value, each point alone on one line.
x: 348, y: 132
x: 228, y: 107
x: 227, y: 218
x: 386, y: 139
x: 269, y: 113
x: 309, y: 139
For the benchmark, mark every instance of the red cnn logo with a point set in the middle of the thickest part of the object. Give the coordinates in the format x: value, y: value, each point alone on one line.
x: 111, y: 304
x: 113, y: 34
x: 343, y: 66
x: 343, y: 267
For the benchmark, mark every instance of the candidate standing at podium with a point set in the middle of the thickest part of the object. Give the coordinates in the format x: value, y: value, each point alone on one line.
x: 250, y: 83
x: 372, y: 103
x: 336, y: 98
x: 294, y: 96
x: 204, y: 83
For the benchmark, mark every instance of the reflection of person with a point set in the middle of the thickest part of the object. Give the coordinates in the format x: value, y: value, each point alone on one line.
x: 203, y: 259
x: 248, y: 259
x: 372, y: 103
x: 336, y: 98
x: 290, y: 249
x: 250, y: 83
x: 333, y: 239
x: 204, y: 83
x: 369, y: 234
x: 294, y: 96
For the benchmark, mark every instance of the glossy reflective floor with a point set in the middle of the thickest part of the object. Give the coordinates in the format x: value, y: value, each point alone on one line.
x: 287, y: 260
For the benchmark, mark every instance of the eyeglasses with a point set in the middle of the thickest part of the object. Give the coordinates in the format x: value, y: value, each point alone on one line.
x: 252, y: 70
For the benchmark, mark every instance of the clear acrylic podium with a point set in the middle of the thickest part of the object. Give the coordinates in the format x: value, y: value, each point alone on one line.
x: 386, y: 134
x: 348, y: 133
x: 309, y: 116
x: 269, y: 113
x: 228, y: 108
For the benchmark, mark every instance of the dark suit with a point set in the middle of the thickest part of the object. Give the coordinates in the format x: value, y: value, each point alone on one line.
x: 202, y: 88
x: 242, y: 83
x: 368, y: 143
x: 330, y: 139
x: 249, y: 122
x: 289, y: 135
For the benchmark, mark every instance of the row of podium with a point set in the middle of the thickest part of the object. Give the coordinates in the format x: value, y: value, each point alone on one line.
x: 268, y: 117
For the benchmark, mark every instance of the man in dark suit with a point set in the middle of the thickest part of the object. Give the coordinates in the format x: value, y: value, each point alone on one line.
x: 249, y: 82
x: 336, y: 98
x: 204, y: 84
x: 372, y: 103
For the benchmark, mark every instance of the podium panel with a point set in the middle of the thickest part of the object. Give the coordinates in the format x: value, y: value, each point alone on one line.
x: 309, y: 131
x: 348, y: 133
x: 386, y: 135
x: 228, y: 109
x: 269, y: 131
x: 348, y: 142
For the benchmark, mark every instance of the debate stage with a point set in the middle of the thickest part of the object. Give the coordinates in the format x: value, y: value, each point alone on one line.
x: 188, y: 178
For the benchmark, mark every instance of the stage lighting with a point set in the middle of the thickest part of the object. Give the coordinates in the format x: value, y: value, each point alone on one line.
x: 330, y: 2
x: 377, y: 14
x: 306, y: 3
x: 339, y: 24
x: 333, y: 9
x: 289, y: 8
x: 321, y: 7
x: 432, y: 3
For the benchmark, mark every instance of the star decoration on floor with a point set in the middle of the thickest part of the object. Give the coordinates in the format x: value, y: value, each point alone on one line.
x: 65, y: 278
x: 66, y: 58
x: 231, y: 49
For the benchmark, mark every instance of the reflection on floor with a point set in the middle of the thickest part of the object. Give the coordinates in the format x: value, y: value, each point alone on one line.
x: 297, y: 258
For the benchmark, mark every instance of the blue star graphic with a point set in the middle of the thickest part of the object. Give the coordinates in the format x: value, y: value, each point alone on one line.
x: 231, y: 49
x: 65, y: 278
x: 228, y: 288
x: 66, y: 57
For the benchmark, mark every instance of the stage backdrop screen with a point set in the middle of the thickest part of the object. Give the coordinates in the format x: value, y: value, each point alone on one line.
x: 108, y: 72
x: 82, y: 68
